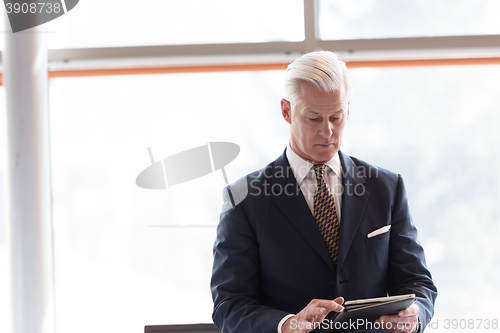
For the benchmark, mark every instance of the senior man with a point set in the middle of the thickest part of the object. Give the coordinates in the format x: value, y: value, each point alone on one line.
x: 317, y: 226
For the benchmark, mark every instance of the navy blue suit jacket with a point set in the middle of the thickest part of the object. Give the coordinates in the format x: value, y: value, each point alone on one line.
x: 270, y: 259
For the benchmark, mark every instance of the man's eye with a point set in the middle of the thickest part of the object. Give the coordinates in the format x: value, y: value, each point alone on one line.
x: 313, y: 119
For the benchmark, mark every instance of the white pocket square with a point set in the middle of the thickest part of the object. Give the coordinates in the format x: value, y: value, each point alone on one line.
x: 379, y: 231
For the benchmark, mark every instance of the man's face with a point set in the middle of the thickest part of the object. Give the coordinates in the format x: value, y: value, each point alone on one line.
x: 317, y: 122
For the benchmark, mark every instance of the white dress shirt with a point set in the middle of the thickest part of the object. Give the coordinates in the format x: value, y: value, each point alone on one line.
x: 306, y: 178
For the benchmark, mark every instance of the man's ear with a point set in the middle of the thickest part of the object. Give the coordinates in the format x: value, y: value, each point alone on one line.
x: 286, y: 110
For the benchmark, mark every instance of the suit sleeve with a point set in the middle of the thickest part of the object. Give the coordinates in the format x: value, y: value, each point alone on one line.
x: 407, y: 271
x: 235, y: 275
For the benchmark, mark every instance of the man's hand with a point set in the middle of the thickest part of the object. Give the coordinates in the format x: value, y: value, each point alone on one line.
x: 406, y: 321
x: 312, y: 315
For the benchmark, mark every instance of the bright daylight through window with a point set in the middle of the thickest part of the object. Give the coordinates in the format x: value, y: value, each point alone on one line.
x: 417, y: 131
x: 127, y: 256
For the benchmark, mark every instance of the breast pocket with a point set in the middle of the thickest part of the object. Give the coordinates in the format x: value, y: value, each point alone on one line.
x: 379, y: 239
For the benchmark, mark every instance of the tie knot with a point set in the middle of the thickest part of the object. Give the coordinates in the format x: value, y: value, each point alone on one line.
x: 319, y: 169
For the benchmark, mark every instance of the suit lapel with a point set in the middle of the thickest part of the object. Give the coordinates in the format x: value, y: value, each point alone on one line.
x: 294, y: 206
x: 354, y: 199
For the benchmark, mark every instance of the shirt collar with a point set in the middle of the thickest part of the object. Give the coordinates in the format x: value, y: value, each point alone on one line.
x: 301, y: 168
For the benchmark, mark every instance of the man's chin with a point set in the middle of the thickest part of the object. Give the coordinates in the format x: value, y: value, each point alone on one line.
x: 324, y: 157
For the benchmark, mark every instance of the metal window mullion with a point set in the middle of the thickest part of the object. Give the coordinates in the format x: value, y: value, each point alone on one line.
x: 311, y: 25
x: 462, y: 44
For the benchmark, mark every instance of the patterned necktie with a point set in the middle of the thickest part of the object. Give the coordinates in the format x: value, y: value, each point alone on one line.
x: 325, y: 213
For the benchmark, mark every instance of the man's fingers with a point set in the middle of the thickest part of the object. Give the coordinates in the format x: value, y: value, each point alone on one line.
x: 315, y: 311
x: 336, y: 305
x: 411, y: 311
x: 396, y: 324
x: 328, y: 305
x: 320, y: 308
x: 404, y: 321
x: 396, y: 318
x: 339, y: 300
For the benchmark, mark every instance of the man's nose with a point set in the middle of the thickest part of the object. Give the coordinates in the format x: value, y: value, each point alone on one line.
x: 326, y: 129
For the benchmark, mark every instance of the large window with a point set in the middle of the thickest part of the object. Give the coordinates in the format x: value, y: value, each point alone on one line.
x: 127, y: 256
x: 358, y: 19
x: 438, y: 127
x: 95, y: 23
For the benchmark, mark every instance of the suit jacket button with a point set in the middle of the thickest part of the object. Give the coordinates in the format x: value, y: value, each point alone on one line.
x: 333, y: 284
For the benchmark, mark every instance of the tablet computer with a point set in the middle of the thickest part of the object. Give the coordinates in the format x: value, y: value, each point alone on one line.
x: 359, y: 315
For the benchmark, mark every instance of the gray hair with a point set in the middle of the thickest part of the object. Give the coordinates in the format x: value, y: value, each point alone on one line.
x: 322, y: 69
